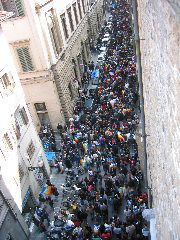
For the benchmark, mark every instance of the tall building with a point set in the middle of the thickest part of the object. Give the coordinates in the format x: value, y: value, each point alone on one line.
x: 49, y: 42
x: 158, y: 23
x: 23, y: 165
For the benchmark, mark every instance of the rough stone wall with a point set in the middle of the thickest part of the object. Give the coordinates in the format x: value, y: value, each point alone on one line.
x: 159, y: 34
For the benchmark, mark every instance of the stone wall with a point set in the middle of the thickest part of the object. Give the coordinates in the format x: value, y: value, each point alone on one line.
x: 63, y: 70
x: 158, y: 25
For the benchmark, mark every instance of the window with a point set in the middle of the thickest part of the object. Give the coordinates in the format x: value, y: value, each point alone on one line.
x: 24, y: 116
x: 19, y: 7
x: 25, y: 59
x: 74, y: 67
x: 79, y: 7
x: 63, y: 20
x: 21, y: 117
x: 14, y: 6
x: 7, y: 141
x: 31, y: 150
x: 75, y: 13
x: 7, y: 81
x: 83, y: 6
x: 40, y: 107
x: 70, y: 20
x: 70, y: 90
x: 21, y: 172
x: 55, y: 40
x: 16, y: 129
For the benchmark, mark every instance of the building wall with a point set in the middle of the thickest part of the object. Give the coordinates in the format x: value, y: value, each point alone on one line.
x: 159, y: 27
x: 63, y: 69
x: 14, y: 159
x: 11, y: 228
x: 38, y: 84
x: 11, y: 221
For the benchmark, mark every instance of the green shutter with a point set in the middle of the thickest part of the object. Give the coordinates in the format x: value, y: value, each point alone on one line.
x: 28, y: 59
x: 25, y: 59
x: 19, y: 7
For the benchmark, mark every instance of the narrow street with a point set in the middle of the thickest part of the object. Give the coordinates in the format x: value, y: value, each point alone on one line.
x: 95, y: 189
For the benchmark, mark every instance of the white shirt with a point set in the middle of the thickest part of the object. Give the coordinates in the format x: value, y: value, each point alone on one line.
x: 69, y: 223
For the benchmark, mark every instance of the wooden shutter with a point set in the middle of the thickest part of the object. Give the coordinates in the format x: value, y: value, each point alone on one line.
x: 7, y: 141
x: 25, y: 59
x: 19, y: 7
x: 31, y: 150
x: 24, y: 116
x: 16, y: 129
x: 21, y: 172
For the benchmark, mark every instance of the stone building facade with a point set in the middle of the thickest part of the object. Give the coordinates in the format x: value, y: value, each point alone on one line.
x: 159, y: 45
x: 49, y: 43
x: 23, y: 165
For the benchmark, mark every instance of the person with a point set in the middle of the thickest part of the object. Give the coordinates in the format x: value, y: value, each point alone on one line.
x: 50, y: 201
x: 96, y: 237
x: 87, y: 233
x: 117, y: 231
x: 36, y: 221
x: 130, y: 230
x: 60, y: 128
x: 145, y: 231
x: 41, y: 198
x: 127, y: 212
x: 42, y: 227
x: 69, y: 223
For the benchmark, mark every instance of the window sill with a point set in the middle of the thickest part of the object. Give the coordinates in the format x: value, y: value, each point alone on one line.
x: 14, y: 18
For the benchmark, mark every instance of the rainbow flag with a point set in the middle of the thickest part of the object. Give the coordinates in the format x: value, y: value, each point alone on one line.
x: 76, y: 138
x: 47, y: 190
x: 85, y: 164
x: 120, y: 137
x: 85, y: 147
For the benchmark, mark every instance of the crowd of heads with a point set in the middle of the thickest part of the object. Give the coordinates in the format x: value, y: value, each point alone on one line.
x: 108, y: 200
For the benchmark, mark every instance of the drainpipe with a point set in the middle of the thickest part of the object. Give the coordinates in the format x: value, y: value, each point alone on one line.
x: 139, y: 74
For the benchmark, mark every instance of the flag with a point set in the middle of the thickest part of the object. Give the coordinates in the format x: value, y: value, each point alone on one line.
x: 120, y: 137
x: 85, y: 147
x: 47, y: 190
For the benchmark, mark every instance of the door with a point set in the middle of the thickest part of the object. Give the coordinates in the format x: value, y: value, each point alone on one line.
x: 43, y: 118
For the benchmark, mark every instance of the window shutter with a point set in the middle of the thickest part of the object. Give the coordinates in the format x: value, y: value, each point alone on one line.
x: 21, y: 172
x: 7, y: 141
x: 24, y: 116
x: 31, y: 150
x: 16, y: 129
x: 25, y: 59
x: 19, y: 7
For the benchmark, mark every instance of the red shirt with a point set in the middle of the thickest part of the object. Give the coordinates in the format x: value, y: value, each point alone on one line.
x: 106, y: 235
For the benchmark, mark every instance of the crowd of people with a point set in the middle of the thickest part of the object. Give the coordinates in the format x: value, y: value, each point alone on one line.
x: 105, y: 199
x: 47, y: 137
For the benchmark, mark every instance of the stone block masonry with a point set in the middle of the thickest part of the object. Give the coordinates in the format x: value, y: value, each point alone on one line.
x: 159, y: 28
x: 63, y: 69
